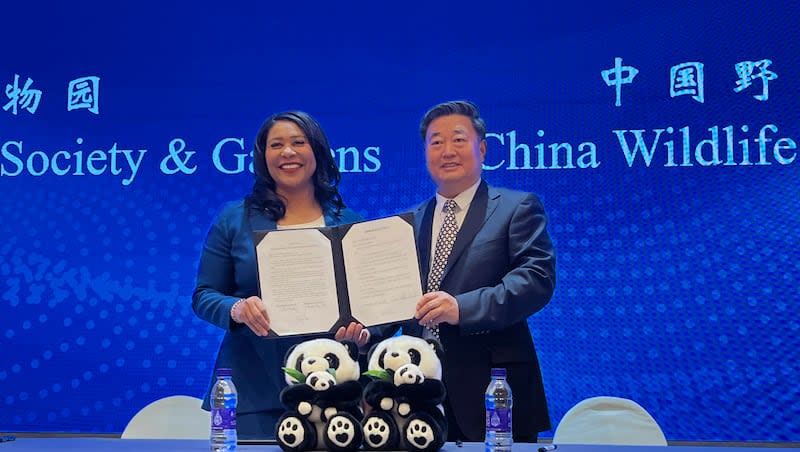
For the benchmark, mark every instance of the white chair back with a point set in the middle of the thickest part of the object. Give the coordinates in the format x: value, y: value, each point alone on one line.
x: 174, y: 417
x: 608, y: 420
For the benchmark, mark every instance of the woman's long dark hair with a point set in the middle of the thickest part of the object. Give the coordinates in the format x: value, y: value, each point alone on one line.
x: 326, y: 177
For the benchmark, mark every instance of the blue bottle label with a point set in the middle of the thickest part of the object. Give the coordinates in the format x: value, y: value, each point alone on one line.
x: 223, y: 418
x: 498, y: 420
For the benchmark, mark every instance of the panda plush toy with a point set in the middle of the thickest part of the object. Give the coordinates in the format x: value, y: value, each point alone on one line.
x: 323, y: 399
x: 405, y: 396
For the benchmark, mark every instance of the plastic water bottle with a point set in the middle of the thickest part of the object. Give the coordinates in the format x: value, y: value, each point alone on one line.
x: 223, y: 413
x: 499, y: 436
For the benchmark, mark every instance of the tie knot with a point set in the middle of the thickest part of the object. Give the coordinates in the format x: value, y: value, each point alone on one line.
x: 450, y: 205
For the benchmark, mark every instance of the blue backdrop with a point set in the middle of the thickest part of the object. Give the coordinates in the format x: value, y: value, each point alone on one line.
x: 661, y: 138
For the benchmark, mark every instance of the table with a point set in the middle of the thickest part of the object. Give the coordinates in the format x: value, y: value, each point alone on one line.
x: 163, y: 445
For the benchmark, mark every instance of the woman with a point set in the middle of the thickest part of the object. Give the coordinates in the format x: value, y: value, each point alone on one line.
x: 296, y: 186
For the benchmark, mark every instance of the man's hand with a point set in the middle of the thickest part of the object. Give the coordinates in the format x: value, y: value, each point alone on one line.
x: 437, y: 307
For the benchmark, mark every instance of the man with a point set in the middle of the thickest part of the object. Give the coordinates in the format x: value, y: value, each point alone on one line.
x: 500, y: 269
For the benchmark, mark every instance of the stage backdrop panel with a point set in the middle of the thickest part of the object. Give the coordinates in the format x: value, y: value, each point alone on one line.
x: 662, y: 139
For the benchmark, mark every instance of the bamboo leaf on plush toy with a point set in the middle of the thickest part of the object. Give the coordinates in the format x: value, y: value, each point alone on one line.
x: 379, y: 374
x: 298, y: 376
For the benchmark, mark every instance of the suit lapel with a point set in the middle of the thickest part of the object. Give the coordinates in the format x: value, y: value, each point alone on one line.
x: 424, y: 223
x: 259, y: 221
x: 480, y: 209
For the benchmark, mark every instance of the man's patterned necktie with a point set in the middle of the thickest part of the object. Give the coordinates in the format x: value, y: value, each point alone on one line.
x: 444, y: 244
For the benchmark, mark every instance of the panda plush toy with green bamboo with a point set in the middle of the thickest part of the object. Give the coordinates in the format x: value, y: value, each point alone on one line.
x: 405, y: 396
x: 322, y: 399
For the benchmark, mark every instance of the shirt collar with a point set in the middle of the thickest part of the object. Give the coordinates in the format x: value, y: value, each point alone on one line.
x: 463, y: 199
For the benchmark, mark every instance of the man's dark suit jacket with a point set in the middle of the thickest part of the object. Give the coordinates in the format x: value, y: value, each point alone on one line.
x: 501, y: 270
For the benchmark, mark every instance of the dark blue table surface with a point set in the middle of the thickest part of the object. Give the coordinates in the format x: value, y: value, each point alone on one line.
x: 146, y: 445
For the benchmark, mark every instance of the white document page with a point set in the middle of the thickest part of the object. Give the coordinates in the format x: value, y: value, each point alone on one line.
x: 383, y: 280
x: 298, y: 286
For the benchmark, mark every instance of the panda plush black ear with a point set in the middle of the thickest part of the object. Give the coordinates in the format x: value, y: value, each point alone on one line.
x: 352, y: 349
x: 289, y: 352
x: 437, y: 347
x: 372, y: 350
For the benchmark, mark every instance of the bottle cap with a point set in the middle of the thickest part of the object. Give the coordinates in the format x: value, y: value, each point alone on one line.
x: 498, y: 372
x: 224, y: 372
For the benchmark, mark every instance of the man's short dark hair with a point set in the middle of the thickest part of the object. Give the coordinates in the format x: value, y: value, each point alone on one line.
x: 454, y: 107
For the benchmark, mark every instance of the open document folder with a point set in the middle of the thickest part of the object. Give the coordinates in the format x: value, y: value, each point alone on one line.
x: 317, y: 279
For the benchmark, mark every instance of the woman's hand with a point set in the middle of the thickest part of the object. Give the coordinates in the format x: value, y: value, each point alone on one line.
x: 354, y: 332
x: 251, y: 312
